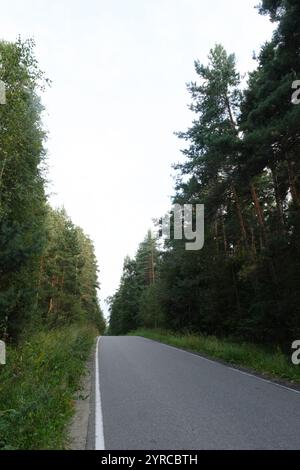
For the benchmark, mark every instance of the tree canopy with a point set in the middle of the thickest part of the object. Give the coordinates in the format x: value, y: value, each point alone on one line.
x: 48, y: 270
x: 241, y: 159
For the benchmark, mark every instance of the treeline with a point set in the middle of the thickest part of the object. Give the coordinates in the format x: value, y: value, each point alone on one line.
x: 241, y: 161
x: 48, y: 270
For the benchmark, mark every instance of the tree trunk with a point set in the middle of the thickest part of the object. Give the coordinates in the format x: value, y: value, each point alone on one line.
x: 261, y: 220
x: 237, y: 297
x: 51, y: 301
x: 50, y: 308
x: 292, y: 181
x: 230, y: 113
x: 224, y: 233
x: 216, y: 233
x: 253, y: 244
x: 240, y: 216
x: 279, y: 204
x: 259, y: 212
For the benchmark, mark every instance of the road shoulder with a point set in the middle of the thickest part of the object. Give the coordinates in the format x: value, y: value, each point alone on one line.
x: 78, y: 428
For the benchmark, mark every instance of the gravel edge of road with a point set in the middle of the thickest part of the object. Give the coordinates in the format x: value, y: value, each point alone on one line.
x: 77, y: 432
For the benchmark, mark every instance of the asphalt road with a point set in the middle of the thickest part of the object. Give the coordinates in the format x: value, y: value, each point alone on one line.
x: 154, y: 397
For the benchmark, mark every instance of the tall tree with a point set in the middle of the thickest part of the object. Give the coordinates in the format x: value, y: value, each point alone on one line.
x: 22, y: 198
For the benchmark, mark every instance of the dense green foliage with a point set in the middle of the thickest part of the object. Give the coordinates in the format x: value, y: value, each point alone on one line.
x: 67, y: 280
x: 37, y: 387
x: 48, y: 273
x: 242, y: 162
x: 137, y: 284
x: 48, y: 270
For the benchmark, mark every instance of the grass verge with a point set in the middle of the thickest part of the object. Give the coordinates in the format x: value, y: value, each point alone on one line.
x: 37, y: 386
x: 272, y: 364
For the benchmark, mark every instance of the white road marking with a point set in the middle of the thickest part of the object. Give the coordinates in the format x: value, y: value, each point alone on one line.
x: 225, y: 365
x: 99, y: 434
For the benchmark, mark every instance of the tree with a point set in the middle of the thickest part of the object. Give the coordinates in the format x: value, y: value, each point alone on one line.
x: 48, y: 269
x: 139, y: 277
x: 67, y: 286
x: 22, y: 198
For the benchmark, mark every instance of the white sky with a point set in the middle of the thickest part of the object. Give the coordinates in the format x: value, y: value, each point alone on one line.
x: 119, y: 69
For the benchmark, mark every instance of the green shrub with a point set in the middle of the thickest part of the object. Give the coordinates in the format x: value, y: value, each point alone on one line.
x: 37, y: 386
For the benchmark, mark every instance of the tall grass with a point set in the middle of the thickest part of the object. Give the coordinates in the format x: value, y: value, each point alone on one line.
x: 37, y: 386
x: 271, y: 363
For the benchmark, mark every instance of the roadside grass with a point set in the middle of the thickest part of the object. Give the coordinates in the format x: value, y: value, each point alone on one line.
x: 37, y: 386
x: 272, y: 364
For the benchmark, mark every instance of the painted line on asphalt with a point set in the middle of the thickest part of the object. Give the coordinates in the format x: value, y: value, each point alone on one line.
x: 225, y: 365
x: 99, y: 433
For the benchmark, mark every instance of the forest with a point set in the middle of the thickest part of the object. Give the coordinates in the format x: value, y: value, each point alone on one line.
x: 49, y: 307
x: 241, y: 160
x: 48, y: 269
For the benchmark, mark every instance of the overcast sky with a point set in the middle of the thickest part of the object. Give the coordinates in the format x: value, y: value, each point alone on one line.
x: 119, y: 69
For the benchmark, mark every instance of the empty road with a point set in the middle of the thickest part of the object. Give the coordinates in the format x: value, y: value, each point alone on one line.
x: 151, y: 396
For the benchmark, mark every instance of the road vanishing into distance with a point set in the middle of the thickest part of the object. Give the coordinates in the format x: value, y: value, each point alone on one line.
x: 152, y: 396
